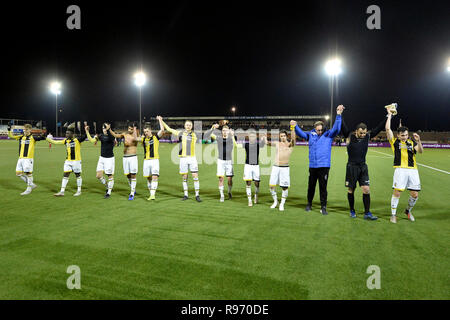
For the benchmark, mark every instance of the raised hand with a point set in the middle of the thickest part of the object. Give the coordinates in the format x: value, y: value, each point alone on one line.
x: 293, y: 123
x: 86, y: 127
x: 215, y: 126
x: 340, y: 109
x: 416, y: 136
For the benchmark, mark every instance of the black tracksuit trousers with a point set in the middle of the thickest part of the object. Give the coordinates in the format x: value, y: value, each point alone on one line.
x: 320, y: 174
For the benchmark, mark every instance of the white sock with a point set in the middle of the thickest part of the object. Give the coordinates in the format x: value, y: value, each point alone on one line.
x: 154, y: 186
x: 24, y: 178
x: 284, y: 195
x: 29, y: 182
x: 274, y: 195
x: 149, y: 186
x: 102, y: 180
x: 221, y: 191
x: 196, y: 186
x: 248, y: 190
x: 133, y: 186
x: 394, y: 204
x: 64, y: 182
x: 185, y: 187
x: 110, y: 184
x: 79, y: 182
x: 411, y: 202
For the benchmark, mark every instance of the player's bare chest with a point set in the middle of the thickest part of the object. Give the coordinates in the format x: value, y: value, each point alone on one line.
x: 129, y: 141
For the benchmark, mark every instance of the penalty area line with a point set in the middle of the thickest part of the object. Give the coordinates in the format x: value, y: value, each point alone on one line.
x: 420, y: 164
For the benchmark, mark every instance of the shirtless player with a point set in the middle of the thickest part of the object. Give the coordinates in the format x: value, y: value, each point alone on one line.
x: 280, y: 169
x: 130, y: 161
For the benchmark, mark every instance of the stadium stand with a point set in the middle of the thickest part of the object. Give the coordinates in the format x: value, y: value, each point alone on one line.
x: 17, y: 126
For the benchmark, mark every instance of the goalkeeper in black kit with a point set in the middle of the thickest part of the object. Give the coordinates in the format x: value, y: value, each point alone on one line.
x: 357, y: 171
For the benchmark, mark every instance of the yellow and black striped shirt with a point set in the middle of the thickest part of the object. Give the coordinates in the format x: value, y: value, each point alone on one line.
x: 187, y: 143
x: 26, y: 145
x: 73, y: 148
x: 151, y: 147
x: 404, y: 153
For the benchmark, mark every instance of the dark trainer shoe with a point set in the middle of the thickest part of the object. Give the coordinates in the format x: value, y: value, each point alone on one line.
x: 369, y: 216
x: 323, y: 211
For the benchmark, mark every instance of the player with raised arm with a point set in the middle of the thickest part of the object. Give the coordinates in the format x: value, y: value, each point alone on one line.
x: 356, y: 170
x: 251, y: 167
x: 130, y: 161
x: 24, y: 167
x: 280, y: 169
x: 106, y: 161
x: 406, y: 175
x: 225, y: 145
x: 188, y: 162
x: 73, y: 160
x: 319, y: 144
x: 151, y: 161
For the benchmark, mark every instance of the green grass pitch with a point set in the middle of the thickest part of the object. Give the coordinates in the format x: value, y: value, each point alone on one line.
x: 169, y: 249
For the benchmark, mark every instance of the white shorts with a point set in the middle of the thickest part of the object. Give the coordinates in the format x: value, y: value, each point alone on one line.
x: 130, y: 165
x: 224, y: 168
x: 72, y: 166
x: 251, y: 172
x: 406, y: 179
x: 188, y: 163
x: 106, y: 165
x: 24, y: 165
x: 151, y: 167
x: 279, y: 176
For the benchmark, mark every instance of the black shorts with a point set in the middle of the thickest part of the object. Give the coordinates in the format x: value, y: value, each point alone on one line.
x: 356, y: 173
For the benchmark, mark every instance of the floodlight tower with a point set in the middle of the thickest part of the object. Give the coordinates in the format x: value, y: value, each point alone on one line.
x: 333, y: 69
x: 139, y: 81
x: 55, y: 88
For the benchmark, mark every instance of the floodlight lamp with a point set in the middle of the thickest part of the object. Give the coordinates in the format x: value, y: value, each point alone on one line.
x: 139, y: 79
x: 333, y: 67
x: 55, y: 88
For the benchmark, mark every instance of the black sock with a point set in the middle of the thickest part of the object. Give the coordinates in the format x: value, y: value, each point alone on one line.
x: 351, y: 200
x: 366, y: 201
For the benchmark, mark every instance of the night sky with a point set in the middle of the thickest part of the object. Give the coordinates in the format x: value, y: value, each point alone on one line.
x: 267, y: 58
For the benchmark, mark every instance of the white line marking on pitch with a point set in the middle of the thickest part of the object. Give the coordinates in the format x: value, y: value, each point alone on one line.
x: 420, y: 164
